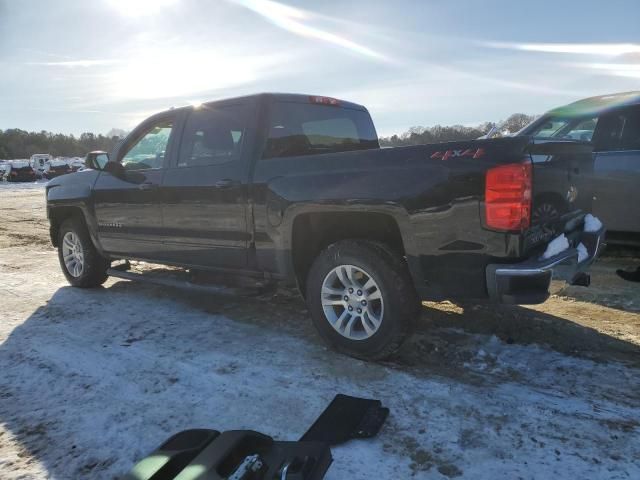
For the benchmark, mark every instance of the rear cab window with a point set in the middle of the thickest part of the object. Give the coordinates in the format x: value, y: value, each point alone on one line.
x: 298, y: 129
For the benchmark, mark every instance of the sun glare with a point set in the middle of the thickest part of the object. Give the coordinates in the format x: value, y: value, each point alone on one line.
x: 144, y: 75
x: 140, y: 8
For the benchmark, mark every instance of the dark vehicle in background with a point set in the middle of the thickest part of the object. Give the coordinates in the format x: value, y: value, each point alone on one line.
x: 19, y: 171
x: 56, y: 169
x: 612, y: 124
x: 296, y: 189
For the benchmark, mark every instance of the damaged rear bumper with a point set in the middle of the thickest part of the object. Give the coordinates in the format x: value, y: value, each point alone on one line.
x: 528, y: 282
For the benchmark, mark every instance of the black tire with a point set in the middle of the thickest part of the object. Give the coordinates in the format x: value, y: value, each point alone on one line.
x: 390, y: 272
x: 94, y: 271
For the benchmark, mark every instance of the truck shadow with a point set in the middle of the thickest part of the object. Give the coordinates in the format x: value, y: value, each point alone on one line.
x: 80, y: 370
x: 442, y: 326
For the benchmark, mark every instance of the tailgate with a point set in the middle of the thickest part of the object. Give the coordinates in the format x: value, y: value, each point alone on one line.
x: 562, y: 191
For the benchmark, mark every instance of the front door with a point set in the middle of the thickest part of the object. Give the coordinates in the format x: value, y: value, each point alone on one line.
x: 617, y: 170
x: 127, y: 203
x: 205, y: 190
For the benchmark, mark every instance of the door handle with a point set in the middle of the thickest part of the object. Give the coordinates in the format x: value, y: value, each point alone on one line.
x: 148, y: 186
x: 226, y: 183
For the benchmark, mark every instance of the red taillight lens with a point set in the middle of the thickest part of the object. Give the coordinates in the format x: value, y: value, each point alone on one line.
x: 507, y: 196
x: 324, y: 101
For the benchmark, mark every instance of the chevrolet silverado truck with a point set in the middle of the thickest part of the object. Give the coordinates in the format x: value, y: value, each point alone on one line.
x: 296, y: 189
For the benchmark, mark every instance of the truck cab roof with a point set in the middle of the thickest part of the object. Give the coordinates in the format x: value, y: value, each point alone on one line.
x: 277, y: 97
x: 596, y: 105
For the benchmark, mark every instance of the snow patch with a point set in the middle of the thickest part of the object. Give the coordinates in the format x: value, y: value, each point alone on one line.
x: 583, y: 253
x: 591, y: 223
x: 19, y: 163
x: 58, y: 162
x: 556, y: 246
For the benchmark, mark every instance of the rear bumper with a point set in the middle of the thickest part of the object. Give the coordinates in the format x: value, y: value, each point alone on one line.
x: 528, y: 282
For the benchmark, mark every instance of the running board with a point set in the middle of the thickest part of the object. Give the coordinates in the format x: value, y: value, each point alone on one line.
x: 185, y: 284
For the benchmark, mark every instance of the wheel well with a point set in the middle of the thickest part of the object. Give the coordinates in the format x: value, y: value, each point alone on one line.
x: 313, y: 232
x: 553, y: 198
x: 58, y: 215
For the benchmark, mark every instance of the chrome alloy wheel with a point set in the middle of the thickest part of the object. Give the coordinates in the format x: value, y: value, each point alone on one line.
x: 352, y: 302
x: 72, y: 254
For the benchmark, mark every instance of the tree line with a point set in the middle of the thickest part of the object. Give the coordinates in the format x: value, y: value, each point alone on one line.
x: 452, y: 133
x: 16, y: 143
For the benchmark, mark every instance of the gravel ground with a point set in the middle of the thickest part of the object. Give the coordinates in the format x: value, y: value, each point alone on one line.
x: 92, y: 380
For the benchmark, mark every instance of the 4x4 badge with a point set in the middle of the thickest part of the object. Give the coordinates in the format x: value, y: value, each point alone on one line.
x: 469, y: 152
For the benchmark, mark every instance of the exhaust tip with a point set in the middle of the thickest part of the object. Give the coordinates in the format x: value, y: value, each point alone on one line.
x: 581, y: 280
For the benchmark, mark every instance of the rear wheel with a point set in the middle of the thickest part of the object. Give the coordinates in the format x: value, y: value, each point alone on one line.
x: 81, y: 263
x: 361, y: 298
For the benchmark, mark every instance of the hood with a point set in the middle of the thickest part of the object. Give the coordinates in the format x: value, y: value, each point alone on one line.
x: 84, y: 178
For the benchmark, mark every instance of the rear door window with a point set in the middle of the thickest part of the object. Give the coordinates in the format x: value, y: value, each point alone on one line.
x: 213, y: 135
x: 297, y: 129
x: 618, y: 131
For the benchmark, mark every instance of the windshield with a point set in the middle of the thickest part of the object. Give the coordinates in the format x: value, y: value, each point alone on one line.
x: 569, y: 128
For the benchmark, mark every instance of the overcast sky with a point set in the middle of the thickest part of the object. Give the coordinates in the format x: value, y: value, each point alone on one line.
x: 73, y: 66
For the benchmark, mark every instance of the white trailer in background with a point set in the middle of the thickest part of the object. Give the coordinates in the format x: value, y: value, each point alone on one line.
x: 40, y: 162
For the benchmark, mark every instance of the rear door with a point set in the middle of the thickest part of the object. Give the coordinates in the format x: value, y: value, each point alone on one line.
x: 617, y: 170
x: 205, y: 189
x: 128, y: 206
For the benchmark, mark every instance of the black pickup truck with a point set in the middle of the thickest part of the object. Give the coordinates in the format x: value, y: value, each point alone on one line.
x: 296, y: 189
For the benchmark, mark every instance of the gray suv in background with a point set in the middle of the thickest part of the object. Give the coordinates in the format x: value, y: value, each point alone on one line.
x: 612, y: 124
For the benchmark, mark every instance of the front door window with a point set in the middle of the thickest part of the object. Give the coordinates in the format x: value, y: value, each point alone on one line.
x: 148, y: 152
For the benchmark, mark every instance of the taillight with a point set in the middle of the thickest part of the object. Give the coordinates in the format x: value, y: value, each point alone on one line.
x: 507, y: 196
x: 324, y: 101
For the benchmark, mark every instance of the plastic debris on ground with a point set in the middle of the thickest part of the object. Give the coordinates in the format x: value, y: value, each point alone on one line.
x: 556, y: 246
x: 591, y: 223
x: 583, y: 253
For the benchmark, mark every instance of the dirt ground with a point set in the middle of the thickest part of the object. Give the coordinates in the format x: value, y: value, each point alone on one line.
x: 480, y: 391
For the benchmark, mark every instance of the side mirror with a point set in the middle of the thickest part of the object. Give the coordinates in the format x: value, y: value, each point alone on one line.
x: 114, y: 168
x: 96, y: 160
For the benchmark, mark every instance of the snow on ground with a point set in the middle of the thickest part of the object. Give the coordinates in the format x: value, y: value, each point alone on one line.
x: 556, y: 246
x: 92, y: 380
x: 23, y: 185
x: 591, y: 223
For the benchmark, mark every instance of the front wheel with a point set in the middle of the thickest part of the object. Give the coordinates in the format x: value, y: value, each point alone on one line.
x: 81, y: 263
x: 361, y: 298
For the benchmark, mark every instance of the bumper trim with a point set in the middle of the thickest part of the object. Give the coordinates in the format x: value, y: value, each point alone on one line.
x: 528, y: 281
